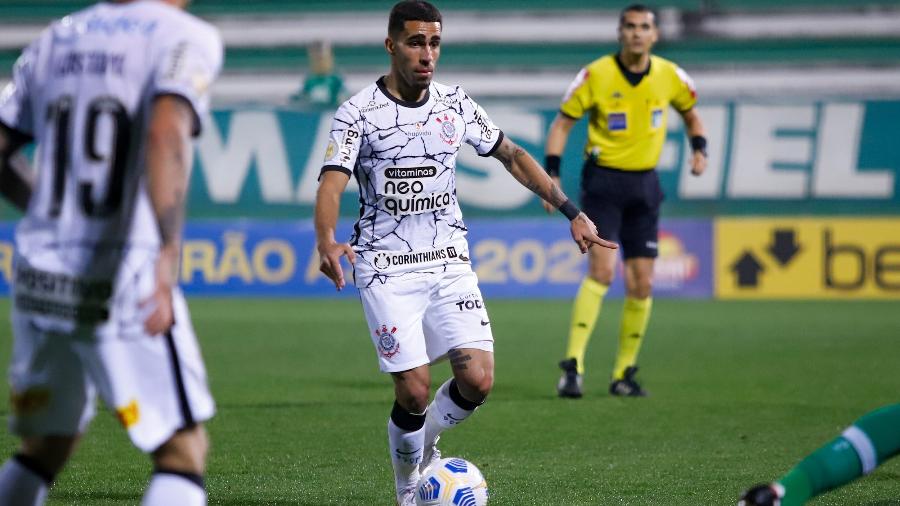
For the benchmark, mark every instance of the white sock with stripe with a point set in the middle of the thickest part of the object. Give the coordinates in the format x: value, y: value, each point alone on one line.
x: 170, y: 488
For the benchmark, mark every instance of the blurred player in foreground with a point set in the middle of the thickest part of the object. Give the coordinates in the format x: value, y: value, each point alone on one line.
x: 399, y: 138
x: 865, y: 445
x: 111, y: 95
x: 626, y: 96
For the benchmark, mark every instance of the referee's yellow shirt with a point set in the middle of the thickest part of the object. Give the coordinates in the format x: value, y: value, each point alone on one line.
x: 627, y: 123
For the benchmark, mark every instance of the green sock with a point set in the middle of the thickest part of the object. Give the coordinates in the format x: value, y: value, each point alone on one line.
x: 867, y: 443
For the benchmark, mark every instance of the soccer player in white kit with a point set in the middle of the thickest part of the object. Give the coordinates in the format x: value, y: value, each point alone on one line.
x: 111, y: 95
x: 400, y: 137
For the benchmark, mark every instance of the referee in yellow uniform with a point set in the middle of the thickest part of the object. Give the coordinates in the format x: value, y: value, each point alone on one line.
x: 626, y: 97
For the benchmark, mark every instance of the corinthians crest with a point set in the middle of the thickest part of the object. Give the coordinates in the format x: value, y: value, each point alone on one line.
x: 448, y: 128
x: 382, y: 261
x: 387, y: 343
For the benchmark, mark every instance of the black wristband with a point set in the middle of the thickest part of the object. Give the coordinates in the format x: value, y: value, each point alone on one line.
x: 569, y: 210
x: 698, y: 143
x: 551, y: 165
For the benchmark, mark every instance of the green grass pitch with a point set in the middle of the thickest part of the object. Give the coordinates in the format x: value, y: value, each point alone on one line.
x: 739, y: 392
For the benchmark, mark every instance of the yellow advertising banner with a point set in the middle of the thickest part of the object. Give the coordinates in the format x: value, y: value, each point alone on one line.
x: 810, y: 258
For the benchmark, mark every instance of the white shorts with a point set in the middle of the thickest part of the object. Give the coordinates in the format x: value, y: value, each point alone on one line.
x: 155, y: 384
x: 416, y: 318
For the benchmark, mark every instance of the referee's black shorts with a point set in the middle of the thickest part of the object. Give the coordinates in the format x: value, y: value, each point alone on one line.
x: 625, y: 207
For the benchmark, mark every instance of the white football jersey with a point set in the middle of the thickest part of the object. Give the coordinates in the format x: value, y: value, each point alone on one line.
x: 403, y: 155
x: 83, y: 91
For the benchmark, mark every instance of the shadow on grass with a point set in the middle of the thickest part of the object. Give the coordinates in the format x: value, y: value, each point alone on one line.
x: 89, y: 497
x: 221, y: 406
x: 80, y: 497
x: 293, y: 502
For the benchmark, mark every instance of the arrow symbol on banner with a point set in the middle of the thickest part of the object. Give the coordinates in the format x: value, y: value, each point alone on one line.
x: 784, y: 245
x: 747, y: 269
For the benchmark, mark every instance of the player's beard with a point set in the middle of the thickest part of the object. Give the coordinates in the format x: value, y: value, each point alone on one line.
x: 417, y: 81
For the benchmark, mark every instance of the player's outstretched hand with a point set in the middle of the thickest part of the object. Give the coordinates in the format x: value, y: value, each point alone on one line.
x: 698, y: 163
x: 330, y: 255
x: 161, y: 315
x: 584, y: 232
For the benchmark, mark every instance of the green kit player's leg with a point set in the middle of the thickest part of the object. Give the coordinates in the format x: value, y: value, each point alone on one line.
x: 861, y: 448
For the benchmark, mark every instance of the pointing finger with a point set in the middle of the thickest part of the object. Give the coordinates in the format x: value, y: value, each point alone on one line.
x: 337, y: 273
x: 599, y: 241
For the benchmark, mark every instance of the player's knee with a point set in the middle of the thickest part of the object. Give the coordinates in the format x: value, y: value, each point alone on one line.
x: 476, y: 389
x: 484, y: 385
x: 641, y: 289
x: 414, y: 399
x: 185, y: 451
x: 417, y: 404
x: 602, y: 275
x: 49, y: 453
x: 411, y: 389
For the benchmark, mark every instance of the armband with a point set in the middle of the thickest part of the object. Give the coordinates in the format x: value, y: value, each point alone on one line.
x: 569, y: 210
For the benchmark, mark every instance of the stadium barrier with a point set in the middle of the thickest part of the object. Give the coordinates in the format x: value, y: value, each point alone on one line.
x: 832, y: 161
x: 826, y: 157
x: 725, y: 258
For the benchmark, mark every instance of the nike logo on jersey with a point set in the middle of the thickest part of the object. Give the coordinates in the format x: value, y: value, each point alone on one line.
x: 382, y: 137
x: 484, y: 323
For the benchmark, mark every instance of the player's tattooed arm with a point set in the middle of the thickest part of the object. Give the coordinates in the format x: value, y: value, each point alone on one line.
x: 16, y: 176
x: 171, y: 219
x: 528, y: 172
x: 169, y: 158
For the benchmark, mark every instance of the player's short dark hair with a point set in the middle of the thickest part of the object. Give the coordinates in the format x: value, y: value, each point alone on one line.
x: 636, y: 8
x: 412, y: 10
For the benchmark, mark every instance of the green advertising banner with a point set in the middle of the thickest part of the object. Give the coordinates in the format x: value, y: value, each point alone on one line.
x: 819, y: 157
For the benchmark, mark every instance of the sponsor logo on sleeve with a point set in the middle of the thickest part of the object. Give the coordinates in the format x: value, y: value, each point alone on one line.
x: 487, y: 131
x: 330, y: 150
x: 347, y: 146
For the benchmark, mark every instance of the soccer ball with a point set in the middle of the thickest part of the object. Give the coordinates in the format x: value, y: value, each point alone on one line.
x: 452, y: 482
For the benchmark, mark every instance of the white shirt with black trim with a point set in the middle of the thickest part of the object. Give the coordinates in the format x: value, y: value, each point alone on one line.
x: 403, y: 155
x: 84, y: 92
